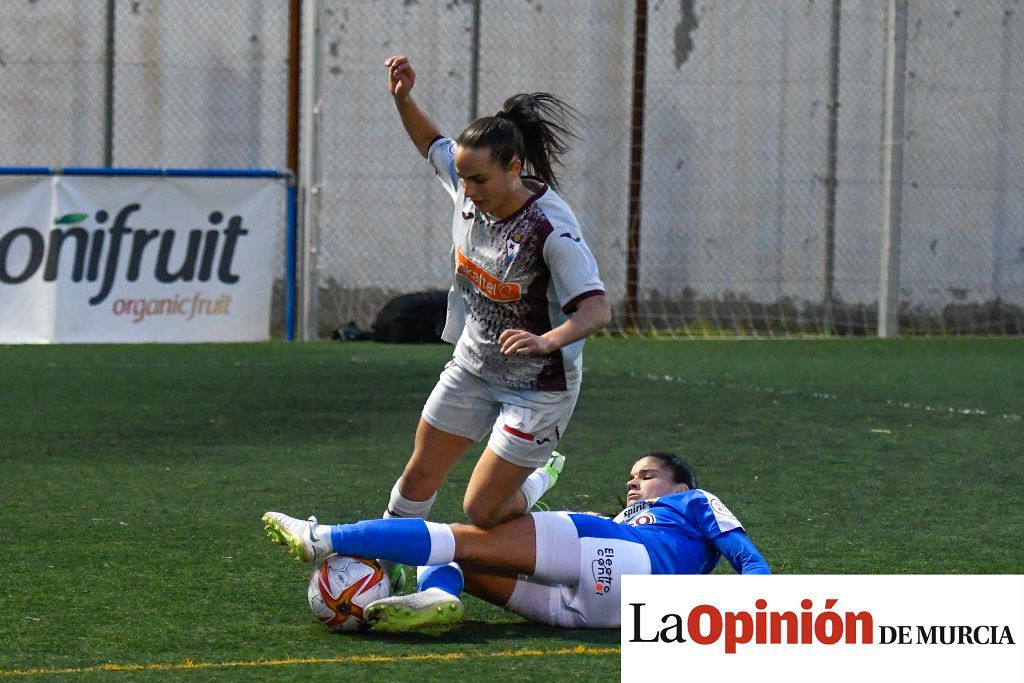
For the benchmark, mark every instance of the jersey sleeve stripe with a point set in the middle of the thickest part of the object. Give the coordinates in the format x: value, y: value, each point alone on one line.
x: 570, y: 307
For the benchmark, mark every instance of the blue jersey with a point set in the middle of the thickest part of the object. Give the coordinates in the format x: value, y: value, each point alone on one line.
x: 683, y: 533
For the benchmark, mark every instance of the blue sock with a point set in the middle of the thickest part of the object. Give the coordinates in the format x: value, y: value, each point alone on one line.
x: 401, y: 540
x: 447, y: 577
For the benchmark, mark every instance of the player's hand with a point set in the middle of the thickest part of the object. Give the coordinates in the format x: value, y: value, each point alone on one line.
x: 523, y: 343
x: 401, y: 76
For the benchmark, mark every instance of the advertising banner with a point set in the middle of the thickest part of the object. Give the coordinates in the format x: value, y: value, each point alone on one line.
x: 148, y: 258
x: 823, y: 629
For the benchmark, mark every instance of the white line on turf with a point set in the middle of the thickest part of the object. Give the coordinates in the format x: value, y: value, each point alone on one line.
x: 906, y: 405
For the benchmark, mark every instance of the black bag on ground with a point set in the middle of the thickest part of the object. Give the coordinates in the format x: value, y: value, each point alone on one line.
x: 416, y: 318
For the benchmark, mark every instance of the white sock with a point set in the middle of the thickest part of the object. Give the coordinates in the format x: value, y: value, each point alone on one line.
x: 442, y: 544
x: 323, y: 532
x: 535, y: 486
x: 400, y: 506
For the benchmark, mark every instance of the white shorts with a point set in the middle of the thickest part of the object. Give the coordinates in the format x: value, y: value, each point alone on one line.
x: 524, y: 425
x: 577, y: 582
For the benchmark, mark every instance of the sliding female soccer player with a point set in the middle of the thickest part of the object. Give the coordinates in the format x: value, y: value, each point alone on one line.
x: 525, y: 294
x: 557, y: 568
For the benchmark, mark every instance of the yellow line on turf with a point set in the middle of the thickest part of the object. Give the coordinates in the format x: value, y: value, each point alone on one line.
x: 352, y: 659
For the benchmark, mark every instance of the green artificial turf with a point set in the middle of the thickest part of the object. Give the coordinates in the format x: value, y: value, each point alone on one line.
x: 133, y: 478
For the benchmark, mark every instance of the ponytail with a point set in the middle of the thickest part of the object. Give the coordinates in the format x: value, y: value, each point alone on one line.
x: 533, y: 127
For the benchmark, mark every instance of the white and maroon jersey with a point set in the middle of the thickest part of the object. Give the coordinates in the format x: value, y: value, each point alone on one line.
x: 526, y: 272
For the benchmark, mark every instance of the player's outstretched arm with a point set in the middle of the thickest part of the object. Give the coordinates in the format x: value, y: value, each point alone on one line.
x: 741, y: 553
x: 401, y: 78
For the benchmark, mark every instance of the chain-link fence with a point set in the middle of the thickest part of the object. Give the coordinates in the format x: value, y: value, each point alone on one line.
x: 963, y: 173
x: 146, y: 83
x: 761, y: 200
x: 190, y: 84
x: 53, y: 61
x: 762, y: 203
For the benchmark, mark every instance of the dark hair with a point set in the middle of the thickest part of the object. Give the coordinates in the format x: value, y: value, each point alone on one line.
x: 682, y: 471
x: 533, y: 127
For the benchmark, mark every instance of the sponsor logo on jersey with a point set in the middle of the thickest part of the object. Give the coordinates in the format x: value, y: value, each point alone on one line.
x: 642, y: 519
x: 569, y: 235
x: 602, y: 568
x: 627, y: 513
x: 490, y: 286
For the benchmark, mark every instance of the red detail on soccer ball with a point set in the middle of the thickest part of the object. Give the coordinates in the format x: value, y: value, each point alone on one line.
x: 341, y: 587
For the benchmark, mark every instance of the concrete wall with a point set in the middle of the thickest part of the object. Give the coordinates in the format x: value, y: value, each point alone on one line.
x: 736, y: 131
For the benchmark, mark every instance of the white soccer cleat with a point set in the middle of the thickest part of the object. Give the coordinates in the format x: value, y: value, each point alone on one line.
x: 425, y: 609
x: 297, y: 534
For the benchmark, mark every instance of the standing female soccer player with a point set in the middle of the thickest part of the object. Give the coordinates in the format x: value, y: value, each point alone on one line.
x: 526, y: 292
x: 557, y: 568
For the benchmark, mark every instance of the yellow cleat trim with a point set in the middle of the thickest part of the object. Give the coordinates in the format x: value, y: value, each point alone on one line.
x: 277, y: 534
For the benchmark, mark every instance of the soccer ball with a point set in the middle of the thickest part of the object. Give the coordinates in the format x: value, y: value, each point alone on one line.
x: 342, y: 586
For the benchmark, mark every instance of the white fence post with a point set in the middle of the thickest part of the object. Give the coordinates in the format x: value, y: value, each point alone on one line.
x: 892, y: 168
x: 309, y: 173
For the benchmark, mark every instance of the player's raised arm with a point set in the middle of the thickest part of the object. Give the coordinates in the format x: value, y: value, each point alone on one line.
x: 418, y: 125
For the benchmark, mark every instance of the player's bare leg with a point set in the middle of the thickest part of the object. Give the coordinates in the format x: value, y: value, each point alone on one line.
x: 492, y: 585
x: 434, y: 454
x: 493, y: 494
x: 509, y: 547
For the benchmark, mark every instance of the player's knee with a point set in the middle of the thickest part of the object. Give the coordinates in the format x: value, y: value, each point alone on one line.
x: 418, y: 484
x: 482, y: 513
